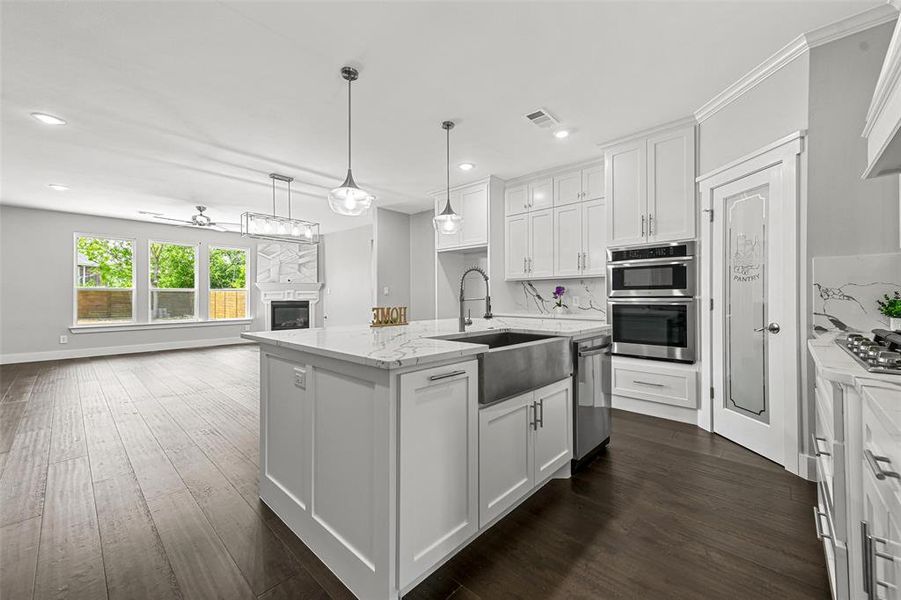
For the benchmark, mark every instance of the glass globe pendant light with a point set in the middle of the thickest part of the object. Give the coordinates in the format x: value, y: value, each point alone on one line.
x: 348, y: 199
x: 448, y: 222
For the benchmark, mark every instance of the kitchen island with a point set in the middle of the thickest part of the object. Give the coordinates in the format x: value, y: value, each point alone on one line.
x: 375, y: 452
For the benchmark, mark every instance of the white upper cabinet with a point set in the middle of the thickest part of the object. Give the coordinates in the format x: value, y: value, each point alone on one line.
x: 541, y: 241
x: 568, y: 188
x: 472, y: 203
x: 883, y: 126
x: 516, y: 199
x: 516, y: 246
x: 671, y: 184
x: 593, y: 183
x: 541, y: 194
x: 594, y: 238
x: 650, y: 183
x: 627, y: 196
x: 568, y: 244
x: 474, y: 209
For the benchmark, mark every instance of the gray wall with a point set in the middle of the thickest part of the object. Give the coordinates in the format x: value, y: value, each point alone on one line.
x: 422, y: 266
x: 36, y: 282
x: 392, y: 262
x: 846, y: 214
x: 773, y: 109
x: 347, y: 272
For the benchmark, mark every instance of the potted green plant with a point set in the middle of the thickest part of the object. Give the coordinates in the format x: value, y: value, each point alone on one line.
x: 890, y: 306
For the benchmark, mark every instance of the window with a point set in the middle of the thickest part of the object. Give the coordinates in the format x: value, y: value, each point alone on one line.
x: 228, y: 283
x: 173, y: 282
x: 104, y: 280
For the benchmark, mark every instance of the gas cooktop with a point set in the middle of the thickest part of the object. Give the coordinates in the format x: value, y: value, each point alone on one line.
x: 881, y: 354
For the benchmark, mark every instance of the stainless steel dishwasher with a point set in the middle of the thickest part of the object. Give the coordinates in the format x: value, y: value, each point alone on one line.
x: 591, y: 397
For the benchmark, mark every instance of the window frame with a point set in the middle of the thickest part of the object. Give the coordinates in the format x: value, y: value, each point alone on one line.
x: 75, y: 279
x: 246, y: 288
x: 196, y: 289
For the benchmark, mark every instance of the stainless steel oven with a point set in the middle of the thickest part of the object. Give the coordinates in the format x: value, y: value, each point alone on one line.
x: 664, y: 270
x: 660, y: 328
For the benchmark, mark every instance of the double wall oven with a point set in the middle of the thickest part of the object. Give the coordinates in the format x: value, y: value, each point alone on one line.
x: 651, y: 301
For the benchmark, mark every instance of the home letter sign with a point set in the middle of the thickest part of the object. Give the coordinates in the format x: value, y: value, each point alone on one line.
x: 386, y: 316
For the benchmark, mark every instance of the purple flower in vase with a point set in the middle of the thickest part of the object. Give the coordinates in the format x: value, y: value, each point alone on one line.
x: 558, y: 295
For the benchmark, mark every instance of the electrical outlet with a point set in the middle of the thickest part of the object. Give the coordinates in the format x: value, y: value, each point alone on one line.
x: 386, y: 291
x: 63, y: 339
x: 300, y: 378
x: 247, y: 327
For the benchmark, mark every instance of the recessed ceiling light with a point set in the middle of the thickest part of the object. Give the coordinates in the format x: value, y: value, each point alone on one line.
x: 58, y: 187
x: 48, y: 119
x: 466, y: 166
x: 561, y: 133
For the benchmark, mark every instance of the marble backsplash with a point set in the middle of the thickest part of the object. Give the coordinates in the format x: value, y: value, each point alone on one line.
x: 287, y: 263
x: 845, y: 290
x: 586, y: 297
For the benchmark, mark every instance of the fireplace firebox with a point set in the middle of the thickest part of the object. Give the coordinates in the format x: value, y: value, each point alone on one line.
x: 290, y: 314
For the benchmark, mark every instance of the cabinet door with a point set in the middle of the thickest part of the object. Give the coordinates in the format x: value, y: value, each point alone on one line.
x: 568, y: 240
x: 593, y: 183
x: 448, y: 240
x: 541, y: 243
x: 594, y: 238
x: 568, y: 188
x: 541, y: 194
x: 879, y: 500
x: 439, y: 458
x: 516, y: 199
x: 671, y: 186
x: 625, y: 169
x: 553, y: 434
x: 474, y: 208
x: 505, y: 457
x: 516, y: 242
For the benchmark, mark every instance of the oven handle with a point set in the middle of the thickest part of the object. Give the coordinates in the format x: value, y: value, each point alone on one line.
x: 654, y: 301
x: 676, y: 260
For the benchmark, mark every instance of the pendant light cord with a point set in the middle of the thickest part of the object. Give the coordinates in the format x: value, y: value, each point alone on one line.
x: 273, y: 196
x: 348, y: 123
x: 448, y: 166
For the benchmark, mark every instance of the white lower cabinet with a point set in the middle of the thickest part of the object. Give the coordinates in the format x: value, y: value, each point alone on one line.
x: 522, y: 442
x: 656, y: 381
x: 438, y: 502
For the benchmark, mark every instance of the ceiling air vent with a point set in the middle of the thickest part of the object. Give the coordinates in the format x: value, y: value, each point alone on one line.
x: 542, y: 118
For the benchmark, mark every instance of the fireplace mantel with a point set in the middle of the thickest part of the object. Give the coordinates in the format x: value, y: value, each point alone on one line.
x: 270, y: 291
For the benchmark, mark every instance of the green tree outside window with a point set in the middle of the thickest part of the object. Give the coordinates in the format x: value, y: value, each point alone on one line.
x: 111, y: 260
x: 171, y: 266
x: 228, y: 269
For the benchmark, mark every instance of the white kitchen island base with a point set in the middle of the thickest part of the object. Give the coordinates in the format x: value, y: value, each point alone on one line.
x: 377, y: 470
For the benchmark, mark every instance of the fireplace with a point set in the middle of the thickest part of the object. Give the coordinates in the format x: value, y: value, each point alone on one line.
x: 289, y: 314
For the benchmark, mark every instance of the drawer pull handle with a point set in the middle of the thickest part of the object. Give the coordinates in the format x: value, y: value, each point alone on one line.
x: 816, y: 446
x: 878, y: 471
x: 446, y: 375
x: 816, y: 520
x: 659, y: 385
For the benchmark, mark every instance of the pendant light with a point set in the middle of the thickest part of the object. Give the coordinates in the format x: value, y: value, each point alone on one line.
x: 348, y: 199
x: 448, y: 222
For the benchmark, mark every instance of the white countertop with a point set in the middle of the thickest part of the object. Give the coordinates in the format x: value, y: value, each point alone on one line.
x: 414, y: 344
x: 883, y: 391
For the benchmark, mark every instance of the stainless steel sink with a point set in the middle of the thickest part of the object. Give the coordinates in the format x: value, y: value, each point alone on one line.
x: 518, y: 362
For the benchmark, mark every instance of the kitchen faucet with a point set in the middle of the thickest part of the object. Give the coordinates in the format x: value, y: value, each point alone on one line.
x: 464, y: 322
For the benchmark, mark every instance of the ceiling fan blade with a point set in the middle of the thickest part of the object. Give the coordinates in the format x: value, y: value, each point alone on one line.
x: 215, y: 227
x: 171, y: 219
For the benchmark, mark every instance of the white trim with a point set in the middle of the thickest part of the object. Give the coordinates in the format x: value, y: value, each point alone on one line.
x: 76, y: 329
x: 797, y: 135
x: 21, y: 357
x: 872, y: 17
x: 75, y: 288
x: 151, y: 288
x: 651, y: 131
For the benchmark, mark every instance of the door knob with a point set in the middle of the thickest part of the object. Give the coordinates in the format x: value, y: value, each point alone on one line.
x: 771, y: 328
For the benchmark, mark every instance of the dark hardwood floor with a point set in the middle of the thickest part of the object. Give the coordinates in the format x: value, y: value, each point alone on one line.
x: 136, y: 477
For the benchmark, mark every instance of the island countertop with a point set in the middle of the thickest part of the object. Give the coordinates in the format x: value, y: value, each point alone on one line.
x: 417, y: 343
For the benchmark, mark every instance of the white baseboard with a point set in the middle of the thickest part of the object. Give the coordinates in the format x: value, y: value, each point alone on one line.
x: 656, y: 409
x: 22, y: 357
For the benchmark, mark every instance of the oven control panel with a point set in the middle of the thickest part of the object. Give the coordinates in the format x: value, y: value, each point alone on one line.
x: 650, y: 252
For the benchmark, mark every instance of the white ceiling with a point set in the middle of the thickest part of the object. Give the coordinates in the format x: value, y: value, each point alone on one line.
x: 172, y: 104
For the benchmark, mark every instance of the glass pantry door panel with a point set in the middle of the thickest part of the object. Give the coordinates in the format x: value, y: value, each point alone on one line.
x: 746, y: 309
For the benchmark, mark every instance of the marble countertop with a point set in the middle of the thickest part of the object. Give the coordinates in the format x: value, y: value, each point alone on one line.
x: 417, y: 343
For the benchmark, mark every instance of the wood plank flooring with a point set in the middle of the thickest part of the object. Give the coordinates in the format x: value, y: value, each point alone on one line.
x: 136, y: 477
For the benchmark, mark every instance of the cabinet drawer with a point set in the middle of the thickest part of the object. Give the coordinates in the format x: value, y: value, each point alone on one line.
x: 884, y: 452
x: 668, y: 385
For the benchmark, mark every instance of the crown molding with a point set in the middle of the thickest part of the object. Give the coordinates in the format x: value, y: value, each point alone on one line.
x: 873, y: 17
x: 671, y: 125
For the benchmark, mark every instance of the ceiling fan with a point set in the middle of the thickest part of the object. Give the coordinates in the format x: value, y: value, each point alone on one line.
x: 199, y: 220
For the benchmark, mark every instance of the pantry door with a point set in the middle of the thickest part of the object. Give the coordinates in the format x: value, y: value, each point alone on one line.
x: 755, y: 354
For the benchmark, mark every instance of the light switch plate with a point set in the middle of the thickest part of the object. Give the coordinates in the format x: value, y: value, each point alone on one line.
x: 300, y: 378
x: 63, y: 339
